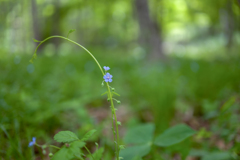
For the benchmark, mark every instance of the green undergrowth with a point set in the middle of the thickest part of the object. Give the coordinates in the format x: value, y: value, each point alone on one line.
x: 59, y: 93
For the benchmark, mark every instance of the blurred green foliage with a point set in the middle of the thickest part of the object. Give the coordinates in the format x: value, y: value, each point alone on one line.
x: 198, y: 84
x: 57, y: 93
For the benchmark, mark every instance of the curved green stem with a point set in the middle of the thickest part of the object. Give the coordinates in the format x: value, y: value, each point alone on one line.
x: 113, y: 130
x: 108, y: 87
x: 89, y: 152
x: 47, y: 145
x: 72, y: 42
x: 115, y: 117
x: 54, y: 146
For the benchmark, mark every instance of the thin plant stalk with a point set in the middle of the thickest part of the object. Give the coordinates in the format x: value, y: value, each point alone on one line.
x: 89, y: 152
x: 108, y: 87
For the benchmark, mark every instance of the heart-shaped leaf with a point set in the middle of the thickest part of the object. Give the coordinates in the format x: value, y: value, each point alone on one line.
x: 217, y: 156
x: 135, y: 151
x: 174, y: 135
x: 140, y: 134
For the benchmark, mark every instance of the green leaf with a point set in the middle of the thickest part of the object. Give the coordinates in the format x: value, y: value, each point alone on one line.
x: 65, y: 136
x: 116, y: 93
x: 104, y: 93
x: 88, y: 135
x: 217, y: 156
x: 174, y: 135
x: 36, y: 40
x: 133, y: 152
x: 97, y: 154
x: 197, y: 152
x: 140, y: 134
x: 68, y: 153
x: 70, y: 31
x: 228, y: 104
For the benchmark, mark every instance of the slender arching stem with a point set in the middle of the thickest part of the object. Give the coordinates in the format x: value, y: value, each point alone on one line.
x: 116, y: 124
x: 54, y: 146
x: 108, y: 88
x: 74, y: 43
x: 89, y: 152
x: 48, y: 146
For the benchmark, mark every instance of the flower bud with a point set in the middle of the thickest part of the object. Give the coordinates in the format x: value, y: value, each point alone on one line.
x: 50, y: 154
x: 96, y: 144
x: 44, y: 146
x: 122, y: 147
x: 113, y: 89
x: 108, y: 99
x: 67, y: 145
x: 119, y: 102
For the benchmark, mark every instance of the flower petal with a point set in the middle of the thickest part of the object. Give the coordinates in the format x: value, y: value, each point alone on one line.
x: 110, y: 80
x: 30, y: 144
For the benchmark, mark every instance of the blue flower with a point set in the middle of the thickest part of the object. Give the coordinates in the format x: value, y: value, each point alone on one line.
x: 32, y: 142
x: 108, y: 77
x: 106, y: 68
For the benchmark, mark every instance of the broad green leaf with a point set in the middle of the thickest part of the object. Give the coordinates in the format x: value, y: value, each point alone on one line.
x: 174, y: 135
x: 36, y: 40
x: 68, y: 153
x: 198, y: 152
x: 88, y: 135
x: 104, y: 93
x: 116, y: 93
x: 140, y: 134
x: 217, y: 156
x: 133, y: 152
x: 97, y: 154
x: 65, y: 136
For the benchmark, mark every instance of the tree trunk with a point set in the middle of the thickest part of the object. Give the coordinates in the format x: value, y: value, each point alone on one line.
x: 227, y: 20
x: 150, y: 31
x: 56, y: 23
x: 35, y: 22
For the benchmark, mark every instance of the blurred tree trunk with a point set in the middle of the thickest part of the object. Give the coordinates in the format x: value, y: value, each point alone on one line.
x: 35, y: 22
x: 227, y: 18
x: 55, y: 28
x: 150, y: 32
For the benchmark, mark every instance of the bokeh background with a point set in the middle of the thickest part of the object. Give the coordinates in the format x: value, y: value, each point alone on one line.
x: 172, y: 62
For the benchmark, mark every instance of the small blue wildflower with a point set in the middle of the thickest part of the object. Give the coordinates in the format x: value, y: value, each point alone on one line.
x: 108, y: 77
x: 106, y: 68
x: 32, y: 142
